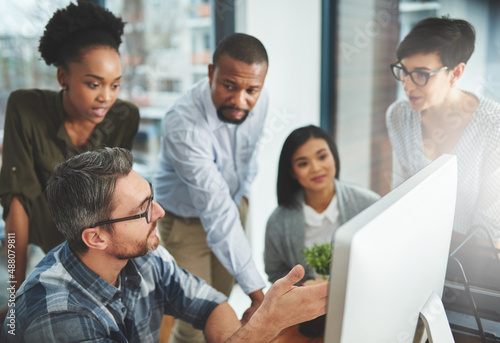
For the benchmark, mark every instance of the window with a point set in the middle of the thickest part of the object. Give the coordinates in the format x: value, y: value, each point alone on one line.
x: 368, y: 34
x: 158, y: 62
x: 165, y: 50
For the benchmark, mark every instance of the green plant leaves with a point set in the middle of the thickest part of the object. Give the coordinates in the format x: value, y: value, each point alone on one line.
x: 319, y: 258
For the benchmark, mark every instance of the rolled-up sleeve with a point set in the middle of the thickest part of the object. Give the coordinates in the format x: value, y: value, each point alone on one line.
x: 18, y: 175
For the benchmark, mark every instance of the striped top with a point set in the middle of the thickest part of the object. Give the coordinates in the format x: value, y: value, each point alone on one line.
x: 478, y: 158
x: 64, y: 301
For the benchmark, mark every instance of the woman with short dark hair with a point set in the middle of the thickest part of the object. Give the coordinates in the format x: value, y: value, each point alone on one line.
x: 312, y: 201
x: 439, y: 118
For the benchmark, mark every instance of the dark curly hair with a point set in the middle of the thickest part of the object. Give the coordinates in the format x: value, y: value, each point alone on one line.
x: 78, y: 27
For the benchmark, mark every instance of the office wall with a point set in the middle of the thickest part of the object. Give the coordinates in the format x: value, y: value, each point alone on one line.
x: 291, y: 32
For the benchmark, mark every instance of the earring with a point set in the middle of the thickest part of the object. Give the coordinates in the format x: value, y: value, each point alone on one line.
x: 65, y: 87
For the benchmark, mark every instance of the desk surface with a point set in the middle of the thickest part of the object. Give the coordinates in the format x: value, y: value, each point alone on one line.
x: 292, y: 335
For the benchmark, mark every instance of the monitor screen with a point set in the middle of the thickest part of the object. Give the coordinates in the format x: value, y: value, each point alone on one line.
x: 388, y: 259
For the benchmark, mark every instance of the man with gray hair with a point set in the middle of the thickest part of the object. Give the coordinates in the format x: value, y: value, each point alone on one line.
x: 110, y: 282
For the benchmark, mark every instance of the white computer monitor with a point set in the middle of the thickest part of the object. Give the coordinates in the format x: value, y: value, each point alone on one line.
x: 390, y: 259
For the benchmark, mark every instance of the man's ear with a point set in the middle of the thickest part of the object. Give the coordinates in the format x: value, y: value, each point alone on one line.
x: 211, y: 70
x: 96, y: 238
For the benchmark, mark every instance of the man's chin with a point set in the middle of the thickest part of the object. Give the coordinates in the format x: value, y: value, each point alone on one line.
x: 149, y: 247
x: 155, y: 244
x: 226, y: 118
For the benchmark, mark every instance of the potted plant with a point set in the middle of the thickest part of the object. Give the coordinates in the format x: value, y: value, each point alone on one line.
x: 319, y: 257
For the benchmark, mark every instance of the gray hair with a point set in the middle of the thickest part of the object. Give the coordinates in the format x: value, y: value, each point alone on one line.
x: 80, y: 191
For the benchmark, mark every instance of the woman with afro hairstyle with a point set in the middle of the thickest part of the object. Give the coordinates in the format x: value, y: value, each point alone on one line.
x: 44, y: 128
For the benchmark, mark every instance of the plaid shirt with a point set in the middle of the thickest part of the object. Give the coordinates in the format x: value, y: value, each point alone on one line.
x: 64, y: 301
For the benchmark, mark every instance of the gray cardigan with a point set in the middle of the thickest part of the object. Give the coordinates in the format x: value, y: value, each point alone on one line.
x: 285, y: 229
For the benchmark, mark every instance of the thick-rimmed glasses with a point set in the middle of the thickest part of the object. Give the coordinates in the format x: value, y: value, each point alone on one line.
x: 146, y: 214
x: 420, y: 78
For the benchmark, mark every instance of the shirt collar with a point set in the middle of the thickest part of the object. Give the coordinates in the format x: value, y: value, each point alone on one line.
x: 208, y: 106
x: 91, y: 281
x: 313, y: 218
x: 62, y: 134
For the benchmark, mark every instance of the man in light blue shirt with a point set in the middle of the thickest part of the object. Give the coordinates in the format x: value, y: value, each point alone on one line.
x: 206, y: 167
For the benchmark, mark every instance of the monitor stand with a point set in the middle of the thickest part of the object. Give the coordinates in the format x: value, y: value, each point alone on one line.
x: 433, y: 323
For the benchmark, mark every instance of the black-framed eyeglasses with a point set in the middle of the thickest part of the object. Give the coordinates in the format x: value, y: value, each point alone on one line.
x: 146, y: 214
x: 420, y: 78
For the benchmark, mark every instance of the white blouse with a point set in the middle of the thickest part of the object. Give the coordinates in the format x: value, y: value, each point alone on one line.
x: 319, y: 227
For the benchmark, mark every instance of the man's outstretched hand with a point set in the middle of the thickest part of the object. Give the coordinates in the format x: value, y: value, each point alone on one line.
x: 284, y: 305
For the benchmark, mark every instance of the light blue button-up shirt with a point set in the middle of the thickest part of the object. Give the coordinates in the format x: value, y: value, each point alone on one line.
x: 206, y: 166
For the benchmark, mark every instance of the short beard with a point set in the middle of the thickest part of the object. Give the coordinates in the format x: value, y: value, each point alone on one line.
x: 231, y: 121
x: 144, y: 250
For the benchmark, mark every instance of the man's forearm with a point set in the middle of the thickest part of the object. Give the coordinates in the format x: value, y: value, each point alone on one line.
x: 224, y: 327
x: 221, y: 324
x: 257, y: 297
x: 254, y: 332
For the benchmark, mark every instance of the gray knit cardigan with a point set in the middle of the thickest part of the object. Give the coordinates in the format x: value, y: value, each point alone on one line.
x: 285, y: 229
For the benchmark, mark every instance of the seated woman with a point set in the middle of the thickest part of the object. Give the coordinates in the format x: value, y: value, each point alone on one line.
x: 44, y: 128
x: 439, y: 118
x: 312, y: 201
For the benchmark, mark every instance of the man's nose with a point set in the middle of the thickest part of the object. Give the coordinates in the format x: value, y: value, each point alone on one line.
x: 239, y: 99
x: 158, y: 211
